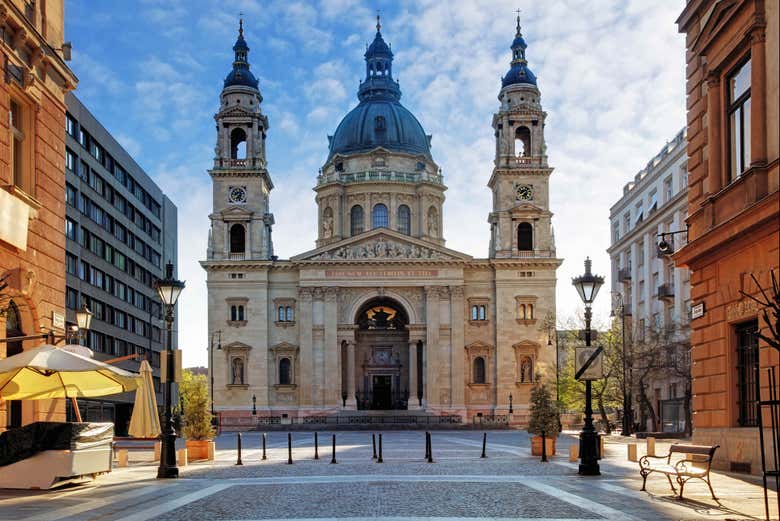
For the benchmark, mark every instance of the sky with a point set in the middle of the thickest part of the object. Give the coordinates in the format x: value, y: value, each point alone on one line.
x: 610, y: 72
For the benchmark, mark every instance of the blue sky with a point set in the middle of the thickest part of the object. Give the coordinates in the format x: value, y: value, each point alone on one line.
x: 611, y: 74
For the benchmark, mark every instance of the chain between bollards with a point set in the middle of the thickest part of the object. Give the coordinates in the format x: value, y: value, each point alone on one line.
x: 238, y: 438
x: 544, y: 447
x: 333, y: 456
x: 484, y: 442
x: 289, y: 449
x: 379, y: 459
x: 373, y: 444
x: 264, y: 457
x: 316, y: 447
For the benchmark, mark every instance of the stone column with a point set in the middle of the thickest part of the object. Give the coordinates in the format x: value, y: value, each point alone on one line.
x: 305, y: 379
x: 332, y: 351
x: 414, y: 401
x: 714, y: 173
x: 351, y: 400
x: 431, y: 387
x: 457, y: 395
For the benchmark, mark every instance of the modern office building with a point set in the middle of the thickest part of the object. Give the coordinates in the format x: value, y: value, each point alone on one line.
x: 650, y: 292
x: 121, y: 230
x: 733, y: 86
x: 32, y: 215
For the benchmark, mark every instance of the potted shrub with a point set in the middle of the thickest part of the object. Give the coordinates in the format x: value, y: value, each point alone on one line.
x: 196, y: 416
x: 543, y: 418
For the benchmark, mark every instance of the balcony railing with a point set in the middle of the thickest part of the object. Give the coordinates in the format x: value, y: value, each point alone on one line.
x: 624, y: 274
x: 666, y: 291
x: 369, y: 176
x: 252, y: 162
x: 237, y: 256
x: 544, y: 254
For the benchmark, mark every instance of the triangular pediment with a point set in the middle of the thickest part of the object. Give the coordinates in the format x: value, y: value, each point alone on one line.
x: 235, y: 110
x: 713, y: 22
x: 233, y: 213
x: 478, y: 344
x: 526, y: 208
x: 381, y: 244
x: 526, y: 346
x: 237, y: 346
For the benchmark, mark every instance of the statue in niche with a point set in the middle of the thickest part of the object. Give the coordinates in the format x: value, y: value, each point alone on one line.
x: 238, y: 371
x: 433, y: 227
x: 526, y: 371
x: 327, y: 227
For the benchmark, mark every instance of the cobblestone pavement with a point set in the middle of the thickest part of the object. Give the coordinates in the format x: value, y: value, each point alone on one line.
x: 508, y: 484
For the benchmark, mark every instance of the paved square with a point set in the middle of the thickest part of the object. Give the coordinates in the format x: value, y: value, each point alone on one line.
x: 459, y: 485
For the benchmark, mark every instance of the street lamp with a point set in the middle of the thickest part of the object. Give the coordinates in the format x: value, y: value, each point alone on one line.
x: 169, y: 290
x: 588, y: 286
x: 83, y: 317
x: 627, y: 412
x: 218, y: 332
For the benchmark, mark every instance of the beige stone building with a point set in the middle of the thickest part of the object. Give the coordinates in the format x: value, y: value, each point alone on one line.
x: 380, y: 314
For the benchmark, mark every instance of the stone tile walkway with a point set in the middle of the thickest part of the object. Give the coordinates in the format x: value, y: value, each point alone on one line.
x: 459, y: 485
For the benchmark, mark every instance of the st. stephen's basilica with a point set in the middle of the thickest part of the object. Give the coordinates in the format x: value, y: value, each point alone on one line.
x: 380, y: 315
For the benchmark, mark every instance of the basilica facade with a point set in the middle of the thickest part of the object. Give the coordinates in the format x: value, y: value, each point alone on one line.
x: 380, y: 314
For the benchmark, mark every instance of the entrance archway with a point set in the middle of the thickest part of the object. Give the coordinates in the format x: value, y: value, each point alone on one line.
x: 382, y: 355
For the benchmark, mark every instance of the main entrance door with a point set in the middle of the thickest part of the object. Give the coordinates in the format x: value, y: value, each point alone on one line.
x: 382, y: 392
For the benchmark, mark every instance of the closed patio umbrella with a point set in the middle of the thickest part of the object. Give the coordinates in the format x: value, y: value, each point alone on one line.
x: 145, y: 421
x: 51, y: 372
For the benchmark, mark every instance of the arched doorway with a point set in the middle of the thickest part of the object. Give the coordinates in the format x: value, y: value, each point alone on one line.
x: 13, y: 328
x: 382, y: 355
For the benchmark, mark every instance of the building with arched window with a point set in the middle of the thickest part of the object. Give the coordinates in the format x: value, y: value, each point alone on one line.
x: 380, y: 314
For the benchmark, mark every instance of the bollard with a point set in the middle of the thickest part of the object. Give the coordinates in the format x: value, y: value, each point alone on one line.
x: 427, y: 447
x: 333, y: 457
x: 181, y: 457
x: 264, y: 446
x: 289, y: 449
x: 484, y: 441
x: 379, y: 459
x: 373, y: 444
x: 601, y: 446
x: 650, y: 446
x: 544, y: 447
x: 430, y: 449
x: 316, y: 447
x: 632, y: 452
x: 238, y: 437
x: 157, y: 450
x: 574, y: 452
x: 122, y: 457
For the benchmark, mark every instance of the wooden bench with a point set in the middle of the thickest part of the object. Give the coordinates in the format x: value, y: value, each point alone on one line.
x: 695, y: 463
x: 123, y: 443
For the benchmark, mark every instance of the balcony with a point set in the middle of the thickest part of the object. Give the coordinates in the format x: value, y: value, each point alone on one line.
x: 237, y: 256
x: 370, y: 176
x: 624, y: 275
x: 254, y: 162
x: 666, y: 291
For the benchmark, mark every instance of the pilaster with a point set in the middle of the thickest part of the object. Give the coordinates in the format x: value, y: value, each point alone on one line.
x: 457, y: 393
x: 307, y: 347
x: 432, y: 384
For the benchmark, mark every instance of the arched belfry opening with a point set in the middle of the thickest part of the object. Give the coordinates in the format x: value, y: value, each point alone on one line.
x: 238, y: 143
x: 382, y: 355
x: 522, y: 141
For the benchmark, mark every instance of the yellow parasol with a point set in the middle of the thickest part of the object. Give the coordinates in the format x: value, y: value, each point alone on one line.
x: 145, y: 422
x: 51, y: 372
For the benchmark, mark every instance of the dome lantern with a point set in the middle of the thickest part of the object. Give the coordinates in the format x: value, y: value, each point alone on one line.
x: 519, y: 72
x: 240, y: 75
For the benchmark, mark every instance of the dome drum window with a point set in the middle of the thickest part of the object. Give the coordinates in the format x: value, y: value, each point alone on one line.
x: 379, y: 216
x: 356, y: 220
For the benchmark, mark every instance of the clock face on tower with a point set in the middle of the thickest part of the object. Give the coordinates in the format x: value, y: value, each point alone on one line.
x: 237, y: 194
x: 525, y: 192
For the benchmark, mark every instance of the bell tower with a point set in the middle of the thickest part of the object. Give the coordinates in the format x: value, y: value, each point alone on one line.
x: 241, y: 220
x: 520, y: 223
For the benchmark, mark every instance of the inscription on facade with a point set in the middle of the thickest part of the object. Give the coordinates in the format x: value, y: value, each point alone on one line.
x: 380, y: 274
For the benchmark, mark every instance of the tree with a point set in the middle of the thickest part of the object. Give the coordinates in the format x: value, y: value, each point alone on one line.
x: 769, y: 304
x: 194, y: 394
x: 543, y: 413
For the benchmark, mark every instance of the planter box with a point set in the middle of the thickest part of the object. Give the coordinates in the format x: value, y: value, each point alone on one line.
x: 199, y: 449
x: 536, y: 446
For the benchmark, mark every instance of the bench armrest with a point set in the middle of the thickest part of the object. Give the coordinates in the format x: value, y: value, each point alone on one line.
x: 644, y: 461
x: 701, y: 466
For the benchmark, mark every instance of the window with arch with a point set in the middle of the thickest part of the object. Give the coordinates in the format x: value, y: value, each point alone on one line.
x: 404, y: 219
x: 479, y: 370
x: 379, y: 216
x: 356, y: 220
x: 237, y: 238
x: 237, y: 313
x: 288, y: 314
x: 478, y: 312
x: 525, y: 237
x: 280, y: 315
x: 379, y: 123
x: 285, y: 371
x: 522, y: 141
x: 238, y: 143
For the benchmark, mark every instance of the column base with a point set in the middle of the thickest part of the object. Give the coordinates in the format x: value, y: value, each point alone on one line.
x: 414, y: 405
x: 350, y: 404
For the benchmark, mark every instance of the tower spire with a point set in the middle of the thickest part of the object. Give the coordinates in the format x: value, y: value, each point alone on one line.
x: 518, y: 33
x: 241, y: 25
x: 378, y: 22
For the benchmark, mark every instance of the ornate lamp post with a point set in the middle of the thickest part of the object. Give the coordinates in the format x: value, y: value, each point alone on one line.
x: 627, y: 412
x: 218, y: 332
x: 588, y: 286
x: 169, y: 290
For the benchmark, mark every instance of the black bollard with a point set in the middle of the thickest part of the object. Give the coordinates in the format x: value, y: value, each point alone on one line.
x: 484, y: 441
x: 333, y: 452
x: 373, y: 444
x: 264, y: 446
x: 430, y: 449
x: 544, y: 448
x: 316, y: 447
x: 380, y: 460
x: 427, y: 447
x: 238, y: 461
x: 289, y: 449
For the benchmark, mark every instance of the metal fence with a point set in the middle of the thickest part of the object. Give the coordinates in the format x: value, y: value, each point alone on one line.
x: 360, y: 420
